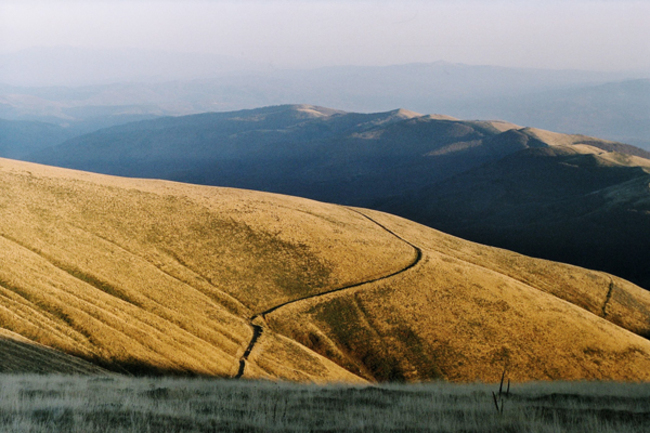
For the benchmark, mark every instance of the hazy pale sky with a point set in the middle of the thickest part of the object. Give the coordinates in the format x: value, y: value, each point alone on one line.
x: 581, y: 34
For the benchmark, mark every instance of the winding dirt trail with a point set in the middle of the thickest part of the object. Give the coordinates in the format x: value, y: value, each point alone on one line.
x: 257, y: 329
x: 608, y: 297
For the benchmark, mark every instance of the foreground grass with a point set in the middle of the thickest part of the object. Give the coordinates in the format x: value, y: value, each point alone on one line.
x: 120, y: 404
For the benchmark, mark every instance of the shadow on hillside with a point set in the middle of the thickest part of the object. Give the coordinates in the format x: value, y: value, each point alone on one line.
x: 18, y: 356
x: 142, y: 369
x: 24, y: 357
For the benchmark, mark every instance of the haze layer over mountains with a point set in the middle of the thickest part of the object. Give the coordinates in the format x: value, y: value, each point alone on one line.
x: 85, y: 89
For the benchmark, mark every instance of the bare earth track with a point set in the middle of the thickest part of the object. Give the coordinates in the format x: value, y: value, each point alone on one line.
x: 608, y: 297
x: 258, y: 329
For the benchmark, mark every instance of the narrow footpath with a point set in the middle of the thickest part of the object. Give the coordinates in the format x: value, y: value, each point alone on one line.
x: 257, y: 329
x: 608, y: 297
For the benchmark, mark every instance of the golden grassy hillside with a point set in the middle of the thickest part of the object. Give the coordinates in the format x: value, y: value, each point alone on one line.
x: 466, y: 311
x: 161, y: 277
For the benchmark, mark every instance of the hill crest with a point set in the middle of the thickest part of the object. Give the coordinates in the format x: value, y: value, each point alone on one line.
x: 162, y: 277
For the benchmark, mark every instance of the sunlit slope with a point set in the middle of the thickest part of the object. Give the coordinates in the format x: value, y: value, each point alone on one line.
x: 156, y: 276
x: 466, y: 311
x: 149, y: 276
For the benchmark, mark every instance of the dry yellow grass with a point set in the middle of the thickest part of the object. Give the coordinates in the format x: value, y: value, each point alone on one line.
x: 467, y: 310
x: 503, y: 126
x: 163, y: 276
x: 158, y: 276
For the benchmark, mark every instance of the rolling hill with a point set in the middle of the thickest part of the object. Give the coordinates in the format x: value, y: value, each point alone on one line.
x: 538, y: 192
x: 570, y: 203
x: 302, y: 150
x: 157, y: 277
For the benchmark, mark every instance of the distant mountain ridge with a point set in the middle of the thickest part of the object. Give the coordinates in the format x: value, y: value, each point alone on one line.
x: 77, y: 66
x: 296, y: 149
x: 490, y: 181
x: 616, y: 110
x: 612, y: 105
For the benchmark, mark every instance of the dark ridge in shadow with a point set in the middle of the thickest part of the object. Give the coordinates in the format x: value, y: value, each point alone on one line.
x: 24, y: 357
x: 138, y: 368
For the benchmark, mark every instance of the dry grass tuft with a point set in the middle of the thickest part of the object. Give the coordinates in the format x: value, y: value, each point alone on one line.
x: 125, y: 405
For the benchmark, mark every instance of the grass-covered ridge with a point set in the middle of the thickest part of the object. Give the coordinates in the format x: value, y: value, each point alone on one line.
x: 157, y: 277
x: 163, y: 276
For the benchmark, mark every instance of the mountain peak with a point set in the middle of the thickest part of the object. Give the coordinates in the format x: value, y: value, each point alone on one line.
x: 440, y: 117
x: 315, y: 110
x: 405, y: 114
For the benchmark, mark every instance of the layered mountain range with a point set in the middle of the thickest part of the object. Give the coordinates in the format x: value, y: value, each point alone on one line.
x: 82, y: 89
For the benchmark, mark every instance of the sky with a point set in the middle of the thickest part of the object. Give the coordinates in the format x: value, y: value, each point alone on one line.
x: 607, y: 35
